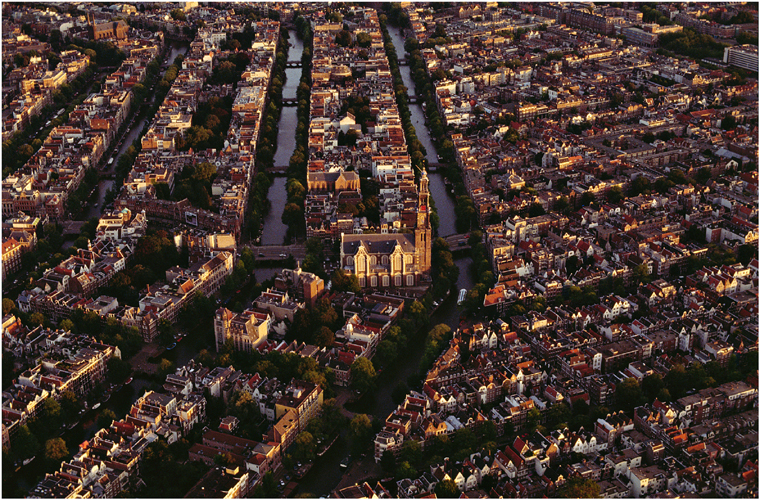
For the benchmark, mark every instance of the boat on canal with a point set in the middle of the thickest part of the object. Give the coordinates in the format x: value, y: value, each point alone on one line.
x: 462, y: 295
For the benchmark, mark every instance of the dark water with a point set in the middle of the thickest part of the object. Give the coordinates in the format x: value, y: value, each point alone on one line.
x: 120, y: 401
x: 326, y: 473
x: 444, y: 202
x: 95, y: 210
x: 274, y: 230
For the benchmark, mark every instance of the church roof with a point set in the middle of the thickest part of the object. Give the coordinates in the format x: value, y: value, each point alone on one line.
x: 377, y: 243
x: 333, y: 176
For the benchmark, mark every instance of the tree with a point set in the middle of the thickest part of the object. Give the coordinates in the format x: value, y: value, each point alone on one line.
x: 559, y: 415
x: 652, y: 384
x: 641, y: 274
x: 165, y: 367
x: 361, y: 431
x: 37, y: 319
x: 224, y: 459
x: 345, y: 282
x: 55, y: 450
x: 364, y: 40
x: 305, y: 447
x: 406, y: 470
x: 324, y: 337
x: 70, y: 404
x: 363, y: 374
x: 24, y: 444
x: 343, y: 38
x: 388, y: 462
x: 615, y: 194
x: 447, y: 489
x: 178, y: 15
x: 629, y: 394
x: 387, y: 352
x: 728, y: 123
x: 534, y: 419
x: 8, y: 306
x: 664, y: 395
x: 411, y: 452
x: 106, y: 418
x: 165, y: 331
x: 578, y: 487
x: 587, y: 198
x: 535, y: 210
x: 52, y: 410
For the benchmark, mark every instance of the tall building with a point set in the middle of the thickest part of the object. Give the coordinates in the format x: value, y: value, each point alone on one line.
x: 741, y: 56
x: 392, y: 259
x: 247, y: 329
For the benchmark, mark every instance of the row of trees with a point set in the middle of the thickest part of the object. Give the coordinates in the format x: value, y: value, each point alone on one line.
x: 161, y: 461
x: 21, y: 146
x: 38, y: 436
x: 126, y: 160
x: 415, y: 148
x: 258, y: 203
x: 457, y: 447
x: 274, y: 364
x: 293, y: 214
x: 210, y: 123
x: 425, y: 90
x: 480, y: 270
x: 689, y: 43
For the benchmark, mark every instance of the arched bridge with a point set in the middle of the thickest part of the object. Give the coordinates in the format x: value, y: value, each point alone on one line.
x: 457, y: 241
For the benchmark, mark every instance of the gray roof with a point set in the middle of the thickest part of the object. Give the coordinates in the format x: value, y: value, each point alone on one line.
x: 382, y: 244
x: 333, y: 176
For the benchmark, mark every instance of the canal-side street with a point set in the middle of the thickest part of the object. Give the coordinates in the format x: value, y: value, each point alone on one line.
x: 326, y: 475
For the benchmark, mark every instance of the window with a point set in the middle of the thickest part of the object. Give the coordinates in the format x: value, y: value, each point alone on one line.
x: 385, y: 260
x: 410, y: 259
x: 397, y: 263
x: 410, y: 280
x: 349, y: 261
x: 398, y: 280
x: 362, y: 281
x: 373, y: 260
x: 360, y: 264
x: 386, y: 280
x: 373, y: 281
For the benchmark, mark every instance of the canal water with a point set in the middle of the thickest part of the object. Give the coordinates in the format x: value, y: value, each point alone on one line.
x: 274, y: 230
x: 96, y: 209
x: 326, y: 473
x: 120, y: 402
x: 444, y: 200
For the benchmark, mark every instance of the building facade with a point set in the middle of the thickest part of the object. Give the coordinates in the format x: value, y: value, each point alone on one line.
x: 392, y: 260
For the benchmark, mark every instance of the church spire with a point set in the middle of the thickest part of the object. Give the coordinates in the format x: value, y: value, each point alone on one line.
x: 424, y: 194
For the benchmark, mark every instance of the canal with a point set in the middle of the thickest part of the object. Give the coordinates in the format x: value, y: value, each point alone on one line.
x: 121, y: 400
x: 274, y: 230
x: 133, y: 132
x: 444, y: 200
x: 326, y: 473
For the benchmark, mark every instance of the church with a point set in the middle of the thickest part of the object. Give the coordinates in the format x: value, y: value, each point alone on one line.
x: 392, y: 260
x: 108, y: 30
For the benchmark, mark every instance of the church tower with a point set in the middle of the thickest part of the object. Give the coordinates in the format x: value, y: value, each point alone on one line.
x: 422, y: 232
